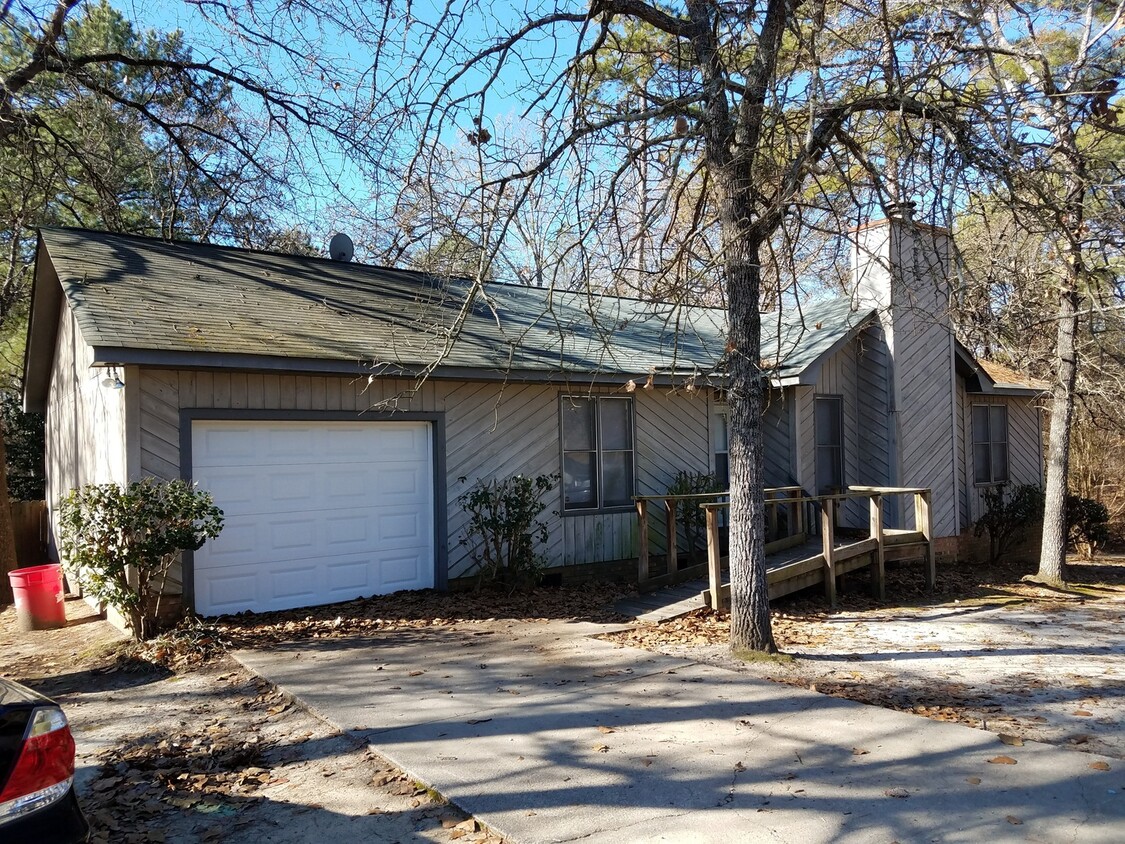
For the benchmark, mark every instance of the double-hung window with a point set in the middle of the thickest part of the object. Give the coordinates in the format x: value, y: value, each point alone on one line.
x: 720, y: 422
x: 990, y: 443
x: 597, y: 443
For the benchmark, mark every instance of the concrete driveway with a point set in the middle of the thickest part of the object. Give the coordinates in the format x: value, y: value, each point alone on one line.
x: 546, y: 734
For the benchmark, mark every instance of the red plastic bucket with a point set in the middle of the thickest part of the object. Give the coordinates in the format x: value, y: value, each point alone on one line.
x: 38, y: 591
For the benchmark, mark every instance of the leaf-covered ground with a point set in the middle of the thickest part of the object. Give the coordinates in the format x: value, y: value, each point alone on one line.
x: 418, y: 610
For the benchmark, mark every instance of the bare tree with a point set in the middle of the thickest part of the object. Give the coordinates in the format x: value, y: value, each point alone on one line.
x: 1049, y: 74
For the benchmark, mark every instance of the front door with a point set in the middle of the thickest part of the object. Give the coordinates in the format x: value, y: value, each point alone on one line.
x: 829, y: 445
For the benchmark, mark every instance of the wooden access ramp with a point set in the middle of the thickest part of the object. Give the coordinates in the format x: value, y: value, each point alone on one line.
x: 799, y: 562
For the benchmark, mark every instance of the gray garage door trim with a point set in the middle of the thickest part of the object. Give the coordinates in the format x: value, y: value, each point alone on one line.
x: 437, y: 427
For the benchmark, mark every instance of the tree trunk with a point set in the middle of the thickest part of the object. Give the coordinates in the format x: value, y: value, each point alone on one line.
x: 1052, y: 554
x: 8, y: 559
x: 749, y: 592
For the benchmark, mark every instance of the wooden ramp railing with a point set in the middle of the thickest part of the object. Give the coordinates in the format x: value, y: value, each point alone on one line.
x: 785, y: 528
x: 832, y: 559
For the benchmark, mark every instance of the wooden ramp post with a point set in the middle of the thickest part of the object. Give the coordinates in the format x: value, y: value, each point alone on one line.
x: 670, y: 526
x: 924, y: 521
x: 879, y: 574
x: 828, y: 538
x: 642, y: 541
x: 715, y: 561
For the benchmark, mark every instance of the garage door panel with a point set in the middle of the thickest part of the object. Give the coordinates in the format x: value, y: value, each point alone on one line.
x: 351, y: 578
x: 398, y: 572
x: 285, y: 444
x: 404, y: 481
x: 232, y: 592
x: 348, y: 483
x: 398, y: 529
x: 342, y: 530
x: 315, y: 512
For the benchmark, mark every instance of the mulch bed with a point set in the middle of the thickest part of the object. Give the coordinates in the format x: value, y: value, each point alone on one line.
x: 419, y: 610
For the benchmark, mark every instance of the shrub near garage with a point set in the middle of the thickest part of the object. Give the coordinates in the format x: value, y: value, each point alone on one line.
x: 504, y: 528
x: 121, y: 541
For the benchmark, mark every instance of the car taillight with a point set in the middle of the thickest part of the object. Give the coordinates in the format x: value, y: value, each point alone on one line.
x: 44, y: 768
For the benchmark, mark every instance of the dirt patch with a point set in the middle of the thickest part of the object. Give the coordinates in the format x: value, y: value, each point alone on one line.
x: 210, y: 752
x: 1014, y: 658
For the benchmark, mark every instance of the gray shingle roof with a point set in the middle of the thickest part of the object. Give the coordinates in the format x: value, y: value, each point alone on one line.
x: 134, y: 293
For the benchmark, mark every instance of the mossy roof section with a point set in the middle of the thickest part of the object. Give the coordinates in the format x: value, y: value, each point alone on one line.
x: 132, y: 292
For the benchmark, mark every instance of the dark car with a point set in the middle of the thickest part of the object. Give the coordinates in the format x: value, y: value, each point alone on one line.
x: 37, y: 802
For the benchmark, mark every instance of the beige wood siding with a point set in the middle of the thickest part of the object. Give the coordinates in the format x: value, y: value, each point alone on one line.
x: 804, y: 412
x: 964, y: 448
x: 776, y: 439
x: 491, y: 430
x: 925, y: 379
x: 85, y: 421
x: 1025, y: 455
x: 673, y: 436
x: 873, y: 410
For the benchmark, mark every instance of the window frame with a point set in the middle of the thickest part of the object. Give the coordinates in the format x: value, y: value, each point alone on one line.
x: 598, y: 451
x: 990, y: 443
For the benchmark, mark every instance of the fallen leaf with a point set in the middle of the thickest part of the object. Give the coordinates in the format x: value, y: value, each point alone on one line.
x: 972, y: 780
x: 606, y: 729
x: 1012, y: 819
x: 1099, y: 766
x: 859, y: 751
x: 897, y: 792
x: 415, y: 673
x: 1013, y: 741
x: 601, y: 748
x: 1083, y: 713
x: 478, y: 720
x: 1002, y: 760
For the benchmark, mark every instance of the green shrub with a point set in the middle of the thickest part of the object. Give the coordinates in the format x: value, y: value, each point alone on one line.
x: 121, y: 541
x: 504, y: 530
x: 688, y: 512
x: 1087, y: 524
x: 1009, y: 513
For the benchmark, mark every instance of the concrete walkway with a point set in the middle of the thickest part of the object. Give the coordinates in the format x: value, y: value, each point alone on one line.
x: 547, y: 735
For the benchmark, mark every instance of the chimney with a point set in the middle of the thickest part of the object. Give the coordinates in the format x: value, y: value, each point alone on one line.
x: 901, y: 269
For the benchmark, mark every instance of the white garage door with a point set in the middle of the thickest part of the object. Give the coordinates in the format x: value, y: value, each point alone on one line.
x: 315, y: 512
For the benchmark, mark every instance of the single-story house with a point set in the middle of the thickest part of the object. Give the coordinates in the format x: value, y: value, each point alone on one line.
x: 336, y: 411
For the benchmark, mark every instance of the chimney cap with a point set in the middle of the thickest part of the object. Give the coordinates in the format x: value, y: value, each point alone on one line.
x: 900, y: 210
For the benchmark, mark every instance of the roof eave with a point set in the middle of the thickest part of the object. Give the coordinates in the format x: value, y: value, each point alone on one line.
x: 999, y: 389
x: 42, y: 330
x: 106, y: 356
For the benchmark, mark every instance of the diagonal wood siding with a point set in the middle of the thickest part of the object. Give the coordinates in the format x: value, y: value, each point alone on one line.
x: 924, y: 360
x: 84, y: 429
x: 492, y: 430
x: 777, y: 431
